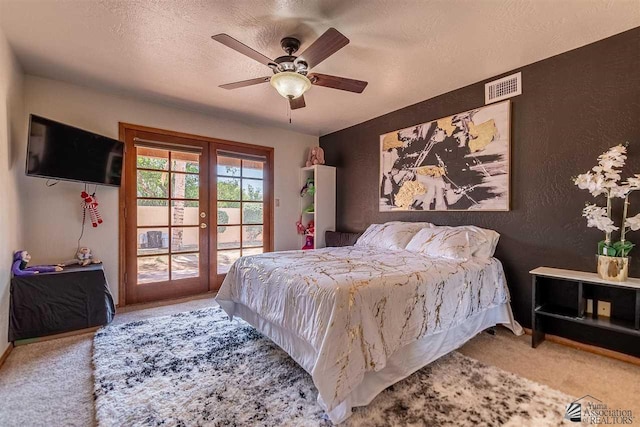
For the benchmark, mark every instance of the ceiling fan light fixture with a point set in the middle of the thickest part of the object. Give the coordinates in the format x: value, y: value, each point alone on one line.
x: 290, y: 85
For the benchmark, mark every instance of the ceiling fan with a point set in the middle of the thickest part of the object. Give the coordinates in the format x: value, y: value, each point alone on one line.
x: 290, y: 73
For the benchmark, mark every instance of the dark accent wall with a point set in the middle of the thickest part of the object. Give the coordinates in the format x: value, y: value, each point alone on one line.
x: 573, y: 107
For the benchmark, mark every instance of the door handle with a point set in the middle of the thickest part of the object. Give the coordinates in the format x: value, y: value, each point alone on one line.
x: 203, y: 214
x: 203, y: 225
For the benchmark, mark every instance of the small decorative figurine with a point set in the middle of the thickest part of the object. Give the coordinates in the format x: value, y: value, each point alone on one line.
x: 20, y: 261
x: 316, y: 156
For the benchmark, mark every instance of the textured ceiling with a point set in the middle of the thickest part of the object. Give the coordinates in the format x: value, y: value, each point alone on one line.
x: 409, y: 51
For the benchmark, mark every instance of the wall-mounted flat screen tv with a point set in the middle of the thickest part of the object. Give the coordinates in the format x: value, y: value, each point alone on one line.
x: 63, y: 152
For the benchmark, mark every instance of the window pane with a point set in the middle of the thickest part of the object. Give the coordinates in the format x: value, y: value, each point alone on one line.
x: 151, y: 158
x: 153, y: 269
x: 228, y: 189
x: 228, y: 213
x: 228, y: 166
x: 153, y: 241
x: 185, y: 266
x: 185, y: 212
x: 228, y: 237
x: 251, y: 169
x: 185, y: 186
x: 153, y: 184
x: 153, y: 212
x: 252, y: 189
x: 185, y: 162
x: 226, y: 259
x: 252, y: 213
x: 252, y: 251
x: 185, y: 239
x: 251, y: 235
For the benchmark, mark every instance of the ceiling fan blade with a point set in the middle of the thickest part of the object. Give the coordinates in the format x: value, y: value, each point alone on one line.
x: 296, y: 103
x: 336, y: 82
x: 325, y: 46
x: 234, y: 44
x: 245, y: 83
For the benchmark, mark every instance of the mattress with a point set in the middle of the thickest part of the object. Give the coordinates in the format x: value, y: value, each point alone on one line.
x: 345, y: 314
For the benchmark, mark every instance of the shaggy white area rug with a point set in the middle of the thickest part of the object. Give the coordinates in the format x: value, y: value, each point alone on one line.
x: 199, y: 369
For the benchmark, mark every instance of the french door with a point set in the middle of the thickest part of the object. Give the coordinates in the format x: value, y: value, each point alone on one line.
x: 190, y: 207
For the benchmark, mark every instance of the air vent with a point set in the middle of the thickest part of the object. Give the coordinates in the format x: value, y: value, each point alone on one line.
x: 503, y: 88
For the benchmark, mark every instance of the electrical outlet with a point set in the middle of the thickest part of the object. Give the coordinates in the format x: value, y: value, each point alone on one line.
x: 589, y: 309
x: 604, y: 308
x: 277, y: 203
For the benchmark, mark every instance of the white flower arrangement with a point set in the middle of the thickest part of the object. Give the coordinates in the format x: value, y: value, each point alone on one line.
x: 605, y: 179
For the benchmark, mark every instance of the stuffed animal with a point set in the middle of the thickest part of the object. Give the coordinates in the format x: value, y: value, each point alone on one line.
x: 20, y: 261
x: 311, y: 229
x: 309, y: 233
x: 85, y: 257
x: 309, y: 188
x: 308, y: 244
x: 300, y: 227
x: 90, y: 203
x: 316, y: 156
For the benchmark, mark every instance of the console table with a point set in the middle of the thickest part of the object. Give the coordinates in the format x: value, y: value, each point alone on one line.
x: 52, y: 303
x: 582, y: 282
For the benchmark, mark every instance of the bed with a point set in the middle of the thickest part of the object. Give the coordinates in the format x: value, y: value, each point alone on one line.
x: 360, y: 318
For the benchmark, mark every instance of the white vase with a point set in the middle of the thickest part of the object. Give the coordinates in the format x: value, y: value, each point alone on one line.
x: 613, y: 268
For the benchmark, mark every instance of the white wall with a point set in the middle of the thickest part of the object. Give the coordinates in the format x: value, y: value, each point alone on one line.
x: 12, y: 132
x: 52, y: 215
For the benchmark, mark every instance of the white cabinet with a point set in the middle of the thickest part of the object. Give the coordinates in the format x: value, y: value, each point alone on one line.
x: 323, y: 200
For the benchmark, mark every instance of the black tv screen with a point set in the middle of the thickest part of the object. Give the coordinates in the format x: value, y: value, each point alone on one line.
x: 60, y: 151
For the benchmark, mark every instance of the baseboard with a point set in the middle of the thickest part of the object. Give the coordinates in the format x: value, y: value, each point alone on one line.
x: 56, y: 336
x: 5, y: 354
x: 590, y: 348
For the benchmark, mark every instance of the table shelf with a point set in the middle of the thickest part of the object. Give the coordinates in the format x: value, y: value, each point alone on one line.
x: 576, y: 284
x: 589, y: 319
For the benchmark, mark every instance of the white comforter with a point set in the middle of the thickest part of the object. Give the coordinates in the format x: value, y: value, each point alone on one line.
x: 356, y: 306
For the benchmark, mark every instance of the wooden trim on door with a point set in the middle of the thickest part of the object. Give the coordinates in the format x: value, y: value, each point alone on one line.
x: 122, y: 260
x: 269, y: 152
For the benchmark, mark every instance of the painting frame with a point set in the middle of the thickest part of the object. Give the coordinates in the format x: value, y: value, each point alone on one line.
x: 475, y: 154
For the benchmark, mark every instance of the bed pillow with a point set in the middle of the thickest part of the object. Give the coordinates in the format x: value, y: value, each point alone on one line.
x: 482, y: 242
x: 391, y: 235
x: 442, y: 242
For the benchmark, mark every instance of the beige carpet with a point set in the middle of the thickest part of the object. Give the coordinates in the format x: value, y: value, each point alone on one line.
x: 50, y: 383
x: 563, y: 368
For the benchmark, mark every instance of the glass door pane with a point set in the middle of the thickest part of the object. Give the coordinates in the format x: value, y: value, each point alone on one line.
x: 240, y: 205
x: 168, y: 215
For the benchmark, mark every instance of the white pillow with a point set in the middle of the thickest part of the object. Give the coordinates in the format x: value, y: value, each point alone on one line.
x: 442, y: 242
x: 482, y: 242
x: 390, y: 235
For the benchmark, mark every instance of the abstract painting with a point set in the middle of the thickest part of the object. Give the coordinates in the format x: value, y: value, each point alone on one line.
x: 460, y: 162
